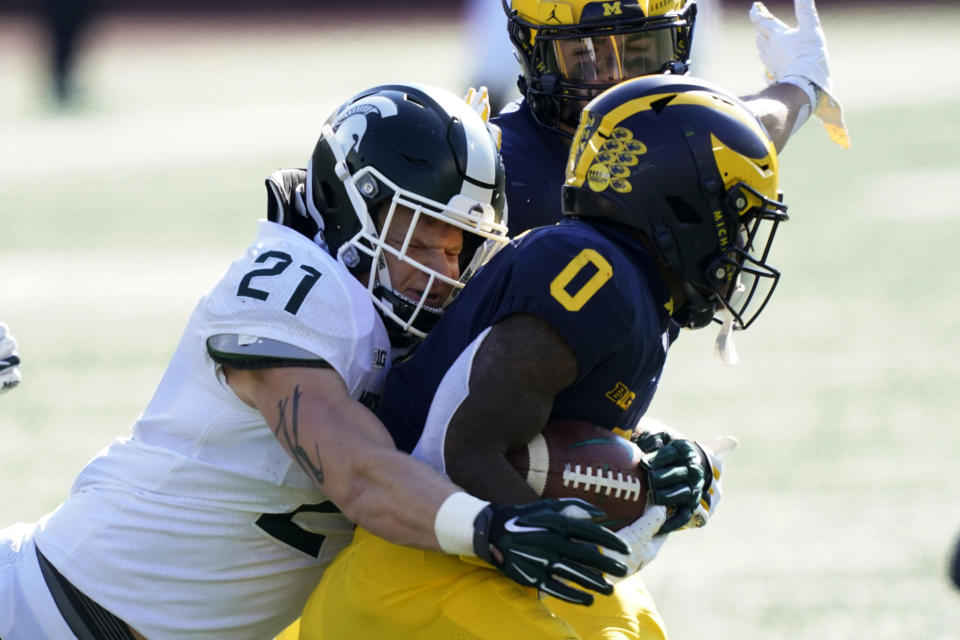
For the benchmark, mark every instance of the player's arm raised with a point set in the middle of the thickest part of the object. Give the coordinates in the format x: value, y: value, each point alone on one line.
x: 782, y: 108
x: 795, y: 62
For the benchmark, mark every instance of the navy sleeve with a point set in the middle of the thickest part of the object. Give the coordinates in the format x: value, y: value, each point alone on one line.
x: 535, y: 161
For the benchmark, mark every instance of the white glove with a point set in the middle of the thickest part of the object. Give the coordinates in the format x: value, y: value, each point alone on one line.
x: 715, y: 451
x: 644, y: 542
x: 9, y: 361
x: 479, y: 100
x: 799, y: 56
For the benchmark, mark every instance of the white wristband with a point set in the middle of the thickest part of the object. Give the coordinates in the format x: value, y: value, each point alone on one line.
x: 453, y: 525
x: 808, y: 86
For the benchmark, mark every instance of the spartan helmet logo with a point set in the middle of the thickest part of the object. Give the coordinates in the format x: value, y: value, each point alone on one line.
x: 351, y: 125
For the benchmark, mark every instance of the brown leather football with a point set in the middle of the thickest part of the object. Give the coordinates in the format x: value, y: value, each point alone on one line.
x: 576, y: 459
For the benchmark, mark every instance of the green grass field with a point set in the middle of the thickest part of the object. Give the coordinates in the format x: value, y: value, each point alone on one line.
x: 844, y: 498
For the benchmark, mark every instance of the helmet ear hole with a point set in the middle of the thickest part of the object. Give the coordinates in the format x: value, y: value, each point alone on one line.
x: 685, y: 213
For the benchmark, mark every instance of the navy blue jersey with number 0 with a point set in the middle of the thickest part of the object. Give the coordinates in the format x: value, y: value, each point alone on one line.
x: 595, y: 284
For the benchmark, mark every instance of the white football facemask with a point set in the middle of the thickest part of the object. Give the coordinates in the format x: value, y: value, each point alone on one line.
x: 465, y: 213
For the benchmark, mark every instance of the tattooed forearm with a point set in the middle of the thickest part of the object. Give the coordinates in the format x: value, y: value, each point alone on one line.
x: 290, y: 435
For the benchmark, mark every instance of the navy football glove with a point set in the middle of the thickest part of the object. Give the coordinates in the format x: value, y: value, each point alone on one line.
x: 541, y: 543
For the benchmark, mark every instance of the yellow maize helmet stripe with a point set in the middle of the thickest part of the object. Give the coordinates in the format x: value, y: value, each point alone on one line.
x: 760, y: 173
x: 585, y: 151
x: 570, y: 12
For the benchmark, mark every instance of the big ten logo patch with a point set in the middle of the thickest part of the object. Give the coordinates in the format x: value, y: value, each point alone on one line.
x: 611, y: 167
x: 621, y: 396
x: 379, y: 358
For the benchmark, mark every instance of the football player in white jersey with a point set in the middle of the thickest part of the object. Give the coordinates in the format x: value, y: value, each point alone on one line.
x: 245, y: 473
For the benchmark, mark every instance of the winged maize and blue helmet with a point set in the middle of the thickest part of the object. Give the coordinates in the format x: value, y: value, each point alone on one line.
x: 688, y: 166
x: 572, y: 50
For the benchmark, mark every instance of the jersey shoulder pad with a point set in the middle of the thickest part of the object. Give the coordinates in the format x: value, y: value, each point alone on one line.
x: 250, y: 352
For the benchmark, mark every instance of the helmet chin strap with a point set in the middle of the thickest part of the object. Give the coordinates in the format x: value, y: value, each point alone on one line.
x: 724, y: 347
x: 696, y: 311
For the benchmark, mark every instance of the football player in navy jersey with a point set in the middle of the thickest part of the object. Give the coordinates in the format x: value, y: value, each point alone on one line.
x: 571, y: 50
x: 671, y: 205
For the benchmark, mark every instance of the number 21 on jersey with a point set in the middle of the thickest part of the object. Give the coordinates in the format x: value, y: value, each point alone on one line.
x: 281, y: 260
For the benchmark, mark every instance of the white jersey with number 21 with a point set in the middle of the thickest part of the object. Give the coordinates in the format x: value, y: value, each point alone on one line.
x: 200, y: 525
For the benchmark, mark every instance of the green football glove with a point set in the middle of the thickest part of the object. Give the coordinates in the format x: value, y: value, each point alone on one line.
x: 684, y: 475
x: 677, y: 473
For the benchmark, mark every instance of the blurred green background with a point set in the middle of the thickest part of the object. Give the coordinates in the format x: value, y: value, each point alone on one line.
x: 841, y: 504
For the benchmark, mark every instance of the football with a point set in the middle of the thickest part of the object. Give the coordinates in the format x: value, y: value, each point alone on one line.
x: 576, y: 459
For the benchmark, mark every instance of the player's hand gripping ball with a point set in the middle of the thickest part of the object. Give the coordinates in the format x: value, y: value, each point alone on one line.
x: 684, y: 474
x: 576, y: 459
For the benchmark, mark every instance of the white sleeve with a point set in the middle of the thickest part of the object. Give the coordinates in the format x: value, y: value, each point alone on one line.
x: 450, y: 394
